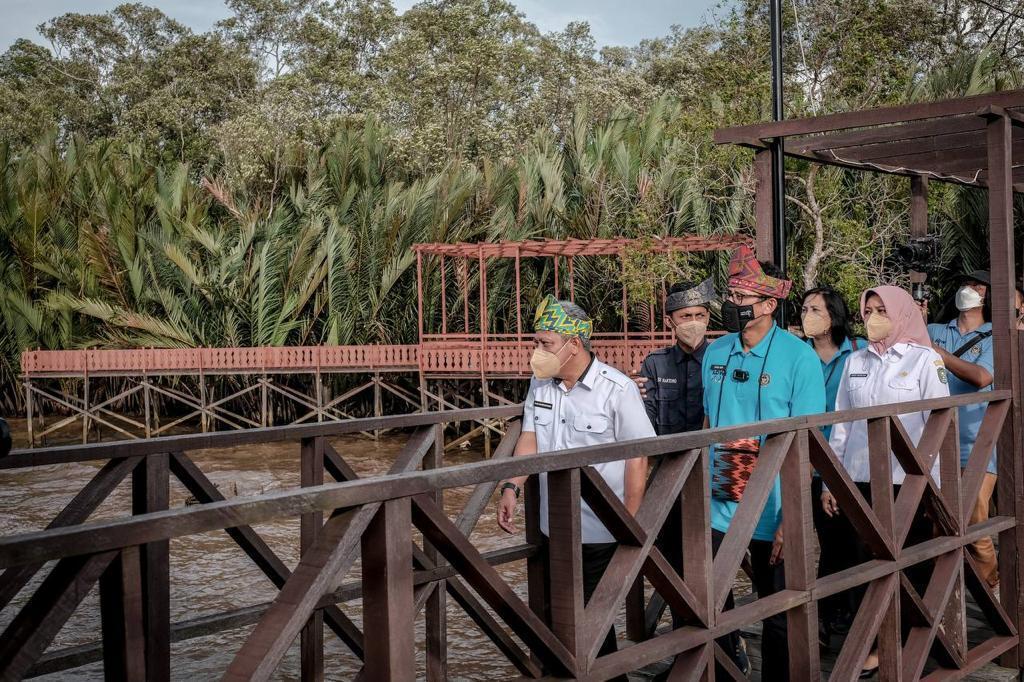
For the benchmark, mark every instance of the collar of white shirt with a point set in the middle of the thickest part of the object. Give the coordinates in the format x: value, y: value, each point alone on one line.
x: 587, y: 380
x: 898, y: 349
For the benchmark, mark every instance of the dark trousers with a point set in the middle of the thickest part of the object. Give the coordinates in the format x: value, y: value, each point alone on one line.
x: 768, y: 579
x: 838, y: 552
x: 596, y: 557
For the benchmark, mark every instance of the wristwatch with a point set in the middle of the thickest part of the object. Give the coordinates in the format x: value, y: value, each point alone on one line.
x: 510, y: 485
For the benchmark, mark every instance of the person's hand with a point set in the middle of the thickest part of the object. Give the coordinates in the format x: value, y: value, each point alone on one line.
x: 828, y: 503
x: 776, y: 557
x: 507, y: 511
x: 641, y: 383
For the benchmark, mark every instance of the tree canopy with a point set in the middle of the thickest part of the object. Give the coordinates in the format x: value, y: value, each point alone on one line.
x: 262, y: 182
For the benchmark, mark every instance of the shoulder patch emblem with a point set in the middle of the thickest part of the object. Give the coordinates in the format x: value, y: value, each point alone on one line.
x: 942, y: 374
x: 939, y: 363
x: 976, y: 350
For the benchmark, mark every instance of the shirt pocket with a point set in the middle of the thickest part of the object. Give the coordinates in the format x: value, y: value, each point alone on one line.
x: 542, y: 416
x: 668, y: 405
x: 591, y: 424
x: 903, y: 387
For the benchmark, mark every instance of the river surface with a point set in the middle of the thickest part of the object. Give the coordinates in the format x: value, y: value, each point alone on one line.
x: 210, y: 574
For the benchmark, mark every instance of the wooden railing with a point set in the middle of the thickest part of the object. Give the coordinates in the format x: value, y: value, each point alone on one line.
x: 375, y: 519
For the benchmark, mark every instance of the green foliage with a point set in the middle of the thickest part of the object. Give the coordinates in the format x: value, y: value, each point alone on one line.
x: 263, y: 183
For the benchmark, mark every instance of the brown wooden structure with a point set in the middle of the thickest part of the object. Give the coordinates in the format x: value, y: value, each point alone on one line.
x: 122, y: 391
x: 920, y: 634
x: 375, y: 519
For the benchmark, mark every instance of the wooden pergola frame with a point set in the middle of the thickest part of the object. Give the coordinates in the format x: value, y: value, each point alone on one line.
x: 465, y: 253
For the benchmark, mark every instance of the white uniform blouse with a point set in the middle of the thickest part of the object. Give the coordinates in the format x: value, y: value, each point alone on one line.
x: 604, y: 406
x: 904, y: 373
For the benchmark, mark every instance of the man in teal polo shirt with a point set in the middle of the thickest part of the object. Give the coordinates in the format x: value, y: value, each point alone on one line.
x: 965, y: 344
x: 757, y: 372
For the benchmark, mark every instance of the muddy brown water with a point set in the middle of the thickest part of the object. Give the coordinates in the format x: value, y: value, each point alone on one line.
x: 210, y: 574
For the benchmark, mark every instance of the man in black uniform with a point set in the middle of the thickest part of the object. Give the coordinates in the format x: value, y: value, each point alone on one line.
x: 673, y: 392
x: 670, y: 378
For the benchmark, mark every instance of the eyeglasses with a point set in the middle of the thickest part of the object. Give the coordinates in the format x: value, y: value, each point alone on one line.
x: 739, y: 297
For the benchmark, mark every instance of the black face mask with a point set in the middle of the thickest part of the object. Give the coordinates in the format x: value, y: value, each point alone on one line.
x: 736, y: 317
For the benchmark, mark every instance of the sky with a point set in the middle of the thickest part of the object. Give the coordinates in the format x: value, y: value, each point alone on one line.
x: 612, y: 22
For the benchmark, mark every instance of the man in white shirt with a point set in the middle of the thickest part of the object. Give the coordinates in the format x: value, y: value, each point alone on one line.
x: 576, y: 400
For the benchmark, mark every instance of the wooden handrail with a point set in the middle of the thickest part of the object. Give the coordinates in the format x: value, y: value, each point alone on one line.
x: 46, y: 545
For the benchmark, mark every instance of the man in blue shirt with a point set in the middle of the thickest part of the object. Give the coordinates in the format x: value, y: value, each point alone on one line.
x: 756, y: 373
x: 965, y: 344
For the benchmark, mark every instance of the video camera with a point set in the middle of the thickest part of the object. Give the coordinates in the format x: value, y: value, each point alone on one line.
x: 920, y: 254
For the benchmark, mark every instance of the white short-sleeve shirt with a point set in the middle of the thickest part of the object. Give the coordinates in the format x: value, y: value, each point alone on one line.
x: 904, y: 373
x: 604, y: 406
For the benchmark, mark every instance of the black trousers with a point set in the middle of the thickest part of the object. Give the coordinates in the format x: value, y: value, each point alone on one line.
x: 838, y: 552
x: 768, y: 579
x: 596, y: 557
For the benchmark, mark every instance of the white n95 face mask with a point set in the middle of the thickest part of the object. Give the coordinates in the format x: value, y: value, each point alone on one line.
x: 968, y: 299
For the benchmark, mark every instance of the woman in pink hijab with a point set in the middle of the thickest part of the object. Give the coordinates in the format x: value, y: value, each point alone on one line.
x: 898, y: 366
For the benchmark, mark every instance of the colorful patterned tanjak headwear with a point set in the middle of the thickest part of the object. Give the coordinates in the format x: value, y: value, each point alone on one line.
x: 551, y: 317
x: 746, y: 273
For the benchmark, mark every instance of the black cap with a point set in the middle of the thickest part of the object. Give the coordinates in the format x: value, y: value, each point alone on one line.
x: 978, y: 276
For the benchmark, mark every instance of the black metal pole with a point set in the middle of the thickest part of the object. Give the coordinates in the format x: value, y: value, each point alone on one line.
x: 778, y: 160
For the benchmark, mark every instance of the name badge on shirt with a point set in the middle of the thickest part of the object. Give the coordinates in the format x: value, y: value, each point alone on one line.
x: 859, y: 376
x: 546, y: 406
x: 718, y: 373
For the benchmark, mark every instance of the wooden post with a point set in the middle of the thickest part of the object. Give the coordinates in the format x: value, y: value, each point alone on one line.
x: 388, y: 595
x: 890, y: 663
x: 798, y: 548
x: 264, y: 389
x: 537, y: 583
x: 85, y: 406
x: 636, y: 613
x: 765, y: 243
x: 436, y: 608
x: 29, y: 417
x: 918, y: 215
x: 150, y: 493
x: 444, y: 299
x: 203, y: 418
x: 419, y: 294
x: 378, y: 403
x: 697, y: 563
x: 566, y: 562
x: 146, y: 399
x: 1007, y: 369
x: 485, y: 389
x: 319, y: 395
x: 311, y: 641
x: 124, y: 647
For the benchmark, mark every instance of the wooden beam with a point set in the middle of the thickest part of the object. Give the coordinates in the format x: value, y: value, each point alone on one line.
x: 203, y: 489
x: 798, y: 556
x: 459, y: 552
x: 30, y: 632
x: 870, y: 117
x: 81, y: 506
x: 734, y: 545
x: 124, y: 643
x: 329, y: 558
x: 311, y: 639
x: 387, y: 594
x: 151, y: 494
